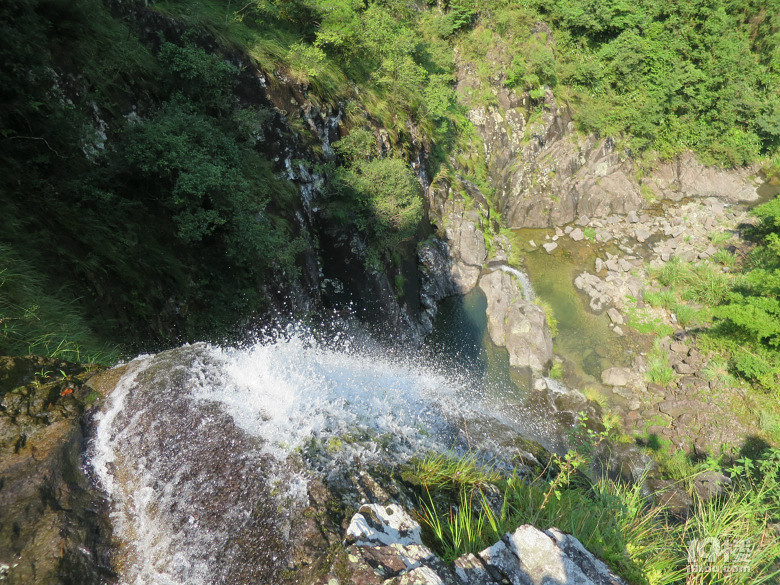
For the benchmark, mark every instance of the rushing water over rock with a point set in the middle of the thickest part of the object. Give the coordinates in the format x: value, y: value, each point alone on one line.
x: 206, y: 453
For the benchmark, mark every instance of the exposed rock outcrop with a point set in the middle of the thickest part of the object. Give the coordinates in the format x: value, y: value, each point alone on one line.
x: 436, y: 278
x: 516, y: 322
x: 460, y: 258
x: 52, y: 529
x: 385, y: 547
x: 546, y: 174
x: 462, y: 223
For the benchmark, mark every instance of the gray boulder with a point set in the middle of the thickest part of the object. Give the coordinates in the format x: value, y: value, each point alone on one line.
x: 516, y: 323
x: 616, y: 376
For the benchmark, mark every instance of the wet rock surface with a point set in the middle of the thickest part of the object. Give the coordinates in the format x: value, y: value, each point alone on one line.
x: 53, y: 526
x: 688, y: 411
x: 458, y: 210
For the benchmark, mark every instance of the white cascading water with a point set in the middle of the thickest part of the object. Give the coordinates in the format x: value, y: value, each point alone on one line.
x: 199, y: 448
x: 525, y: 282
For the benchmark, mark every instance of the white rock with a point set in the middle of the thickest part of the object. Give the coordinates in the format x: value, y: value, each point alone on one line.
x: 376, y: 524
x: 615, y: 316
x: 642, y: 234
x: 616, y: 376
x: 541, y: 558
x: 550, y: 247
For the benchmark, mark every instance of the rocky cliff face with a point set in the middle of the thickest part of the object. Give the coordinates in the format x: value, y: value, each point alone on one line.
x: 297, y: 137
x: 546, y: 174
x: 460, y: 260
x: 53, y: 527
x: 515, y: 322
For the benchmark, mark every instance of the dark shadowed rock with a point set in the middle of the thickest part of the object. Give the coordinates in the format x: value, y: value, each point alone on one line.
x: 53, y: 526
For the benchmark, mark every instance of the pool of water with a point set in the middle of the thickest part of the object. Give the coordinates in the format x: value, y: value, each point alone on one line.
x: 460, y: 342
x: 585, y: 339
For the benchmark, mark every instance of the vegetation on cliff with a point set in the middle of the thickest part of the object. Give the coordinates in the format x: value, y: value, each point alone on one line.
x: 141, y: 188
x: 466, y: 505
x: 700, y: 75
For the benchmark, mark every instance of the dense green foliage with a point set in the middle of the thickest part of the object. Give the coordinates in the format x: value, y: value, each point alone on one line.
x: 749, y: 317
x: 166, y: 222
x: 380, y: 196
x: 158, y: 225
x: 698, y: 74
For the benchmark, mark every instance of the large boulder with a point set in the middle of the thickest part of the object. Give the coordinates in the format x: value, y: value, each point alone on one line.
x: 515, y: 322
x: 384, y: 547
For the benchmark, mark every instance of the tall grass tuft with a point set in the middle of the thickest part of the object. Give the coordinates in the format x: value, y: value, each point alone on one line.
x: 36, y: 320
x: 642, y: 541
x: 658, y: 369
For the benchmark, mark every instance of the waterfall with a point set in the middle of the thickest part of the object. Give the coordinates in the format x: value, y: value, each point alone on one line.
x: 525, y: 282
x: 206, y: 452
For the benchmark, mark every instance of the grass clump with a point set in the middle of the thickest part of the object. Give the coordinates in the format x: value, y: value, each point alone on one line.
x: 440, y: 471
x: 666, y: 299
x: 34, y: 319
x: 659, y: 371
x: 686, y: 314
x: 552, y: 322
x: 641, y: 540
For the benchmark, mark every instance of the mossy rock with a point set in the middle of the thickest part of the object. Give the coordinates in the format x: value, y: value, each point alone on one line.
x: 52, y: 524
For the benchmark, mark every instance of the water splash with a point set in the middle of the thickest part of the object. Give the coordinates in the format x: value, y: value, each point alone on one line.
x: 296, y: 389
x: 206, y: 452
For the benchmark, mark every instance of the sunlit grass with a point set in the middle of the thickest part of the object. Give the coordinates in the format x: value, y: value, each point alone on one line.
x: 642, y: 541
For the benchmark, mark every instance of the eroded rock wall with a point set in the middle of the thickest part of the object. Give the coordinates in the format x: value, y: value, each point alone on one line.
x: 53, y: 529
x: 547, y: 174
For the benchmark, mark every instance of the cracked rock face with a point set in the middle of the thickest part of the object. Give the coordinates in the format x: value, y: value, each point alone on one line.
x: 385, y: 548
x: 516, y: 323
x: 546, y: 174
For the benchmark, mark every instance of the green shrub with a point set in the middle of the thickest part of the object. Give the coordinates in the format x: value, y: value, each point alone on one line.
x: 203, y: 77
x: 686, y: 315
x: 384, y: 199
x: 707, y: 284
x: 659, y: 371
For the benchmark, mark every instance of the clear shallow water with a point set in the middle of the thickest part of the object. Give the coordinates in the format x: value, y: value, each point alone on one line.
x: 584, y: 338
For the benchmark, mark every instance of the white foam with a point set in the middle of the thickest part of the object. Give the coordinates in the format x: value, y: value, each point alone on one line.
x: 525, y: 282
x: 162, y: 434
x: 290, y: 390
